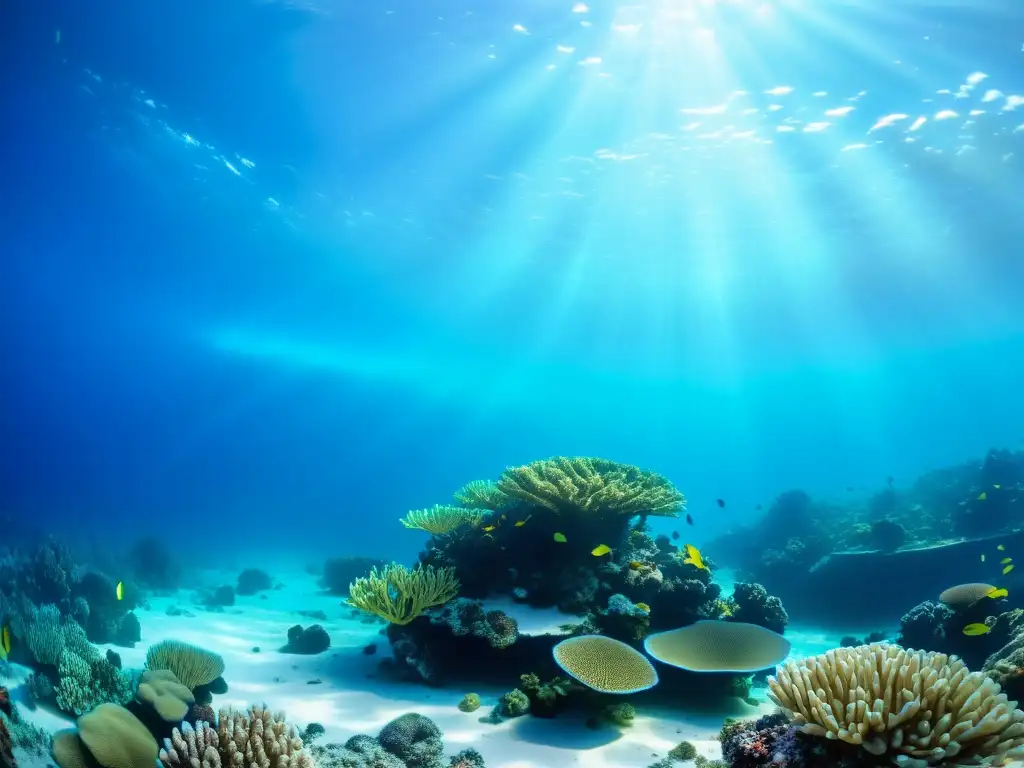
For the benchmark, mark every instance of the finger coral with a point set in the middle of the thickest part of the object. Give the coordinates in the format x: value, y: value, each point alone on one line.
x: 440, y: 519
x: 399, y: 595
x: 920, y: 709
x: 593, y: 486
x: 254, y: 739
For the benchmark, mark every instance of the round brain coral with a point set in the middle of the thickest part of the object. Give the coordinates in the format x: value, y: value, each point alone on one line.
x: 605, y: 665
x: 921, y: 709
x: 116, y: 738
x: 718, y: 646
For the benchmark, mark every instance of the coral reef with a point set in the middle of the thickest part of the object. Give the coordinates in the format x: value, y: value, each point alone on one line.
x: 753, y: 605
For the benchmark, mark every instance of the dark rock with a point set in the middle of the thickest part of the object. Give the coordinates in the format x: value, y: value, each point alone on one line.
x: 309, y: 641
x: 253, y: 580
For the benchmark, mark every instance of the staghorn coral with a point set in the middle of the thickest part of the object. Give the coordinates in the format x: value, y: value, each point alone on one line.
x: 440, y: 519
x: 399, y: 595
x: 482, y: 494
x: 254, y: 739
x: 592, y: 486
x: 193, y: 666
x: 921, y: 709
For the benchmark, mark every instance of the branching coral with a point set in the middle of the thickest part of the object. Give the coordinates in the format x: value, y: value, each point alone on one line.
x: 920, y: 708
x: 440, y: 519
x: 193, y: 666
x: 593, y: 486
x: 399, y: 595
x: 482, y: 494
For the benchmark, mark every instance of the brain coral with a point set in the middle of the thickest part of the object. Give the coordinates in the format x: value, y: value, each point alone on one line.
x: 605, y: 665
x: 920, y: 709
x: 718, y: 646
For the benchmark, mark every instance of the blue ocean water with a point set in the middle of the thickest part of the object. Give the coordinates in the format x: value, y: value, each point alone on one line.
x: 323, y: 262
x: 276, y: 272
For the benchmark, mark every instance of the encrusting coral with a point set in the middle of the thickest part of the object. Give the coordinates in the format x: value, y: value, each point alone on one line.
x: 399, y: 595
x: 254, y: 739
x: 921, y: 709
x: 592, y: 485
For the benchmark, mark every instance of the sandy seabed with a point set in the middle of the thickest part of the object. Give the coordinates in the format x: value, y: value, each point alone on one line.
x: 342, y: 690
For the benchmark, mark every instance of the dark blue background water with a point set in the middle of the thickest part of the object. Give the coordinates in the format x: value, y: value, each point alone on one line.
x: 407, y: 313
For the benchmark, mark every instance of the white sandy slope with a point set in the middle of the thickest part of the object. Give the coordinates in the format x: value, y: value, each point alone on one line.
x: 351, y: 698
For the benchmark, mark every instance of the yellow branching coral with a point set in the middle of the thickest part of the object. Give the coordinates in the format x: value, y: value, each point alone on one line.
x: 920, y: 709
x: 593, y: 486
x: 442, y: 519
x: 482, y: 494
x: 399, y: 595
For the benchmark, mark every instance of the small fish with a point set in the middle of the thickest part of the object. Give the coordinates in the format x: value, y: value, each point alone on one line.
x: 675, y: 534
x: 560, y: 538
x: 997, y: 486
x: 983, y: 558
x: 693, y: 557
x: 56, y: 37
x: 977, y: 629
x: 119, y: 590
x: 488, y: 536
x: 1007, y: 569
x: 689, y: 520
x: 720, y: 502
x: 644, y: 607
x: 1006, y: 560
x: 995, y: 594
x: 5, y: 643
x: 982, y: 496
x: 504, y: 517
x: 1001, y: 548
x: 636, y: 565
x: 600, y: 549
x: 521, y: 523
x: 489, y: 528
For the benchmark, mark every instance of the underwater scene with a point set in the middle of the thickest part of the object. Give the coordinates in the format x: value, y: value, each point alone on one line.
x: 477, y: 383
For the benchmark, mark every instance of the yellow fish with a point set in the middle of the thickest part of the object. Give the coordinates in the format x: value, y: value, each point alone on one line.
x: 1007, y: 569
x: 600, y: 549
x: 636, y: 565
x: 119, y: 590
x: 995, y: 594
x: 521, y: 523
x: 644, y: 607
x: 1001, y: 548
x: 693, y: 557
x: 982, y: 496
x: 1006, y: 560
x: 977, y: 629
x: 560, y: 538
x: 489, y: 528
x: 5, y: 643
